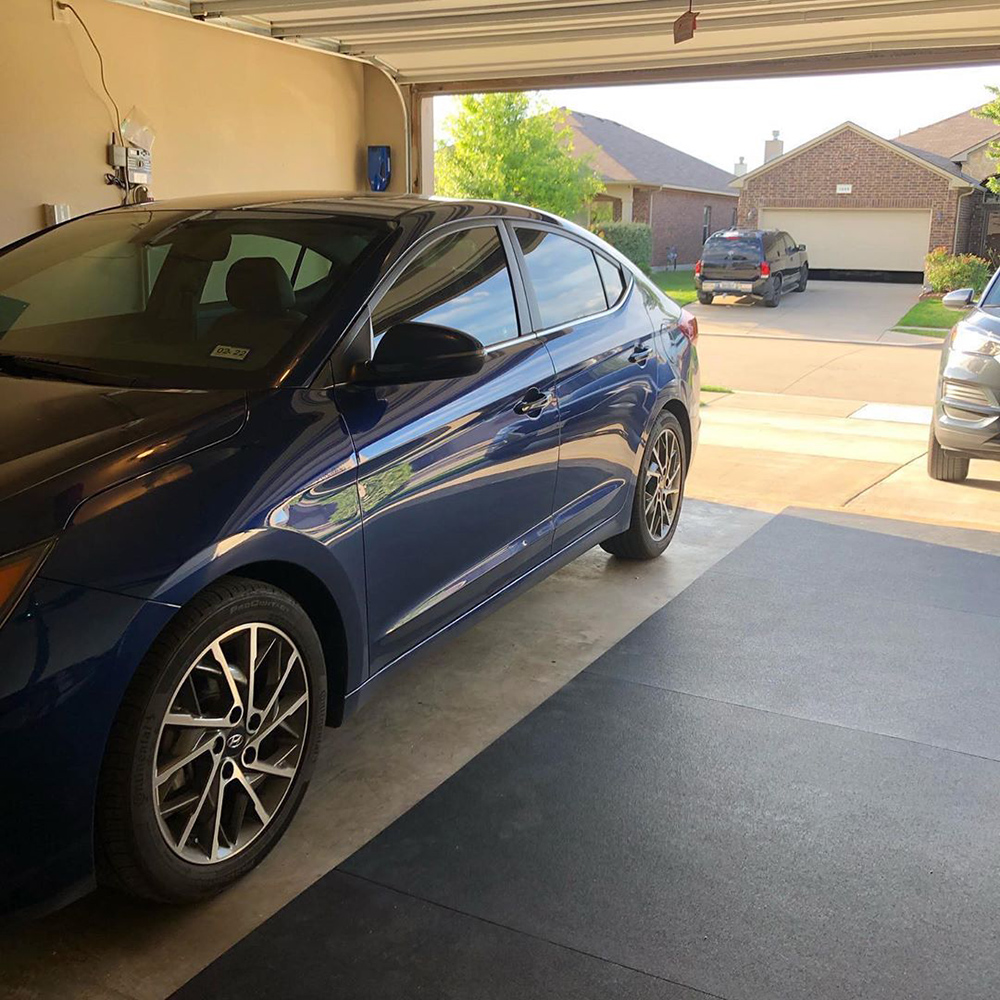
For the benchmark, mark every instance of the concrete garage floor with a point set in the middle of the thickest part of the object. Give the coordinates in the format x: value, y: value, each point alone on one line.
x: 855, y: 311
x: 784, y: 784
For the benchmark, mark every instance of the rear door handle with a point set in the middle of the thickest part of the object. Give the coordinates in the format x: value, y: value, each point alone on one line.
x: 533, y: 402
x: 640, y: 354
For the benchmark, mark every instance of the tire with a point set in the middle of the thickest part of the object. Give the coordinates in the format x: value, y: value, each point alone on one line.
x: 946, y: 466
x: 772, y: 301
x: 803, y: 278
x: 705, y: 298
x: 136, y: 815
x: 638, y: 541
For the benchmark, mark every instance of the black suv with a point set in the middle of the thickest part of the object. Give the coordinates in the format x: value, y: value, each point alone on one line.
x: 761, y: 263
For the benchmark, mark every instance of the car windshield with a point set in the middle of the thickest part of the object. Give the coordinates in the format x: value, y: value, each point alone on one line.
x: 182, y: 299
x: 723, y: 249
x: 992, y: 296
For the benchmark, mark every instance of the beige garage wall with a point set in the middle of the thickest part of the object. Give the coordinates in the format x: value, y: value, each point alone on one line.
x: 231, y: 112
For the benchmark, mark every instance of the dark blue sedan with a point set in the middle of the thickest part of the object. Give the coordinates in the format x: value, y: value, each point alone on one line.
x: 256, y: 452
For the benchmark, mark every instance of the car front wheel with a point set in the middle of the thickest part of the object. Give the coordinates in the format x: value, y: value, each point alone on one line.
x: 943, y: 465
x: 214, y: 744
x: 656, y: 507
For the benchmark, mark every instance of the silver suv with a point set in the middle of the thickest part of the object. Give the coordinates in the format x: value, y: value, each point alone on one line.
x: 966, y: 420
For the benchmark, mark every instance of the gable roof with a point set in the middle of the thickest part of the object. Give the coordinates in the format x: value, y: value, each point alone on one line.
x: 937, y: 160
x: 953, y: 136
x: 932, y: 161
x: 623, y: 155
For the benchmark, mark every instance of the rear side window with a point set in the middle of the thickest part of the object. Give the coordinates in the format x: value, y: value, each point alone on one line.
x: 564, y: 276
x: 731, y: 249
x: 460, y: 281
x: 611, y: 275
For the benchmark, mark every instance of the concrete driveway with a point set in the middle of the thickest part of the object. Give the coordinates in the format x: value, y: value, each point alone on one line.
x: 827, y: 310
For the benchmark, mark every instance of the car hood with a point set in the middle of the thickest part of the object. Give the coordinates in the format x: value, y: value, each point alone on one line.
x: 987, y: 318
x: 62, y: 442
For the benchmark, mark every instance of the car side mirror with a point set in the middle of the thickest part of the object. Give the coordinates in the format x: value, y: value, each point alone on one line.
x: 801, y: 248
x: 959, y: 299
x: 420, y: 352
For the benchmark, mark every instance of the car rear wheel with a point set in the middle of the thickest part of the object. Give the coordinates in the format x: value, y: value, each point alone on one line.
x: 803, y: 279
x: 656, y: 507
x: 772, y: 300
x: 213, y: 746
x: 706, y: 298
x: 946, y: 466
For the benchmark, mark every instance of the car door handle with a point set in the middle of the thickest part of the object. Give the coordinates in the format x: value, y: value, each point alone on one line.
x: 640, y: 354
x: 533, y: 402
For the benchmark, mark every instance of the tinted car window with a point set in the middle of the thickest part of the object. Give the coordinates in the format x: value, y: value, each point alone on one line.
x: 564, y: 276
x: 170, y: 298
x: 614, y: 283
x: 723, y: 249
x: 462, y: 282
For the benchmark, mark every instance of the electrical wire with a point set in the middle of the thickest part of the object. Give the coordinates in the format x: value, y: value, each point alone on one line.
x: 100, y: 59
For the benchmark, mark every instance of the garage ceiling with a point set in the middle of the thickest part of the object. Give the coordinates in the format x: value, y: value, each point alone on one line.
x: 453, y: 45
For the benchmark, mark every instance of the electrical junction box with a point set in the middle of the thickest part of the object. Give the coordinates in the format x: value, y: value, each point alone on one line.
x: 137, y: 162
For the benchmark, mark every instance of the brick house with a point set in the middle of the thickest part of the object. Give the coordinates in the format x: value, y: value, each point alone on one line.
x: 863, y: 203
x: 682, y: 198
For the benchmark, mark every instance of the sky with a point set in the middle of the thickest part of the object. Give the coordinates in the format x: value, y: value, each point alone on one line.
x: 724, y: 120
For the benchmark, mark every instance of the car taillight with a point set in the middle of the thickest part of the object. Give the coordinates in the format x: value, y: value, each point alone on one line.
x: 688, y: 325
x: 697, y: 267
x: 765, y: 270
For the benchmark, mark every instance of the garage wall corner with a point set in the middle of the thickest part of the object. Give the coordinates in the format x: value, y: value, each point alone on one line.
x: 384, y: 125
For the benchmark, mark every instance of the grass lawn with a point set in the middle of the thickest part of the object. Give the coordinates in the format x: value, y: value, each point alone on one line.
x: 679, y: 285
x: 932, y: 316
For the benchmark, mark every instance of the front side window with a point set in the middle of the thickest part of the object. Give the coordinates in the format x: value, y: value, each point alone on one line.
x: 462, y: 282
x: 181, y: 299
x: 564, y: 276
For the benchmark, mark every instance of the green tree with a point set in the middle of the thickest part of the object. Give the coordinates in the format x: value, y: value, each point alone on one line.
x: 508, y: 148
x: 991, y: 111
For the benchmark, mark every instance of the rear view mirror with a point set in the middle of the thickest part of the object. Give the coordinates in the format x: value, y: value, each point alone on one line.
x: 959, y: 299
x: 420, y: 352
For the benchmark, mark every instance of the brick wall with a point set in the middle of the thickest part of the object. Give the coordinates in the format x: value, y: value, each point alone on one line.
x: 677, y: 217
x: 880, y: 179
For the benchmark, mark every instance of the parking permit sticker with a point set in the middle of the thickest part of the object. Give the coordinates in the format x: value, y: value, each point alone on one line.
x: 233, y: 353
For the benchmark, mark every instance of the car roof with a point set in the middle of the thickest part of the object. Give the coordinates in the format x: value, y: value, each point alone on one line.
x: 372, y: 205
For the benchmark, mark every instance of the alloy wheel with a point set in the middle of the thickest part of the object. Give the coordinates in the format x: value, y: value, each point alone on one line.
x: 230, y: 743
x: 662, y: 489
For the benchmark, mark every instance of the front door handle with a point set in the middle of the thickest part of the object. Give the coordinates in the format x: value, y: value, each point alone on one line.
x: 640, y: 354
x: 533, y: 402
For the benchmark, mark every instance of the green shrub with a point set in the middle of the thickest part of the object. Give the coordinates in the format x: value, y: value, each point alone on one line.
x: 633, y: 239
x: 945, y: 271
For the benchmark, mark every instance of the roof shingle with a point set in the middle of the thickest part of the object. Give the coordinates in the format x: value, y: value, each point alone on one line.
x: 952, y: 136
x: 623, y: 155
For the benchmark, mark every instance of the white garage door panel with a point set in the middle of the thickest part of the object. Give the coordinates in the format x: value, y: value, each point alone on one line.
x: 884, y: 240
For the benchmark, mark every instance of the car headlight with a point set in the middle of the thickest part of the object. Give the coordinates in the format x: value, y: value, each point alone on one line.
x: 971, y: 340
x: 16, y: 572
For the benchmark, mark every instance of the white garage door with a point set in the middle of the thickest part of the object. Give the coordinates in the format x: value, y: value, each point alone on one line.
x: 882, y: 240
